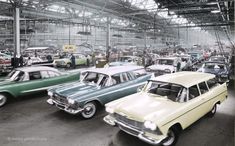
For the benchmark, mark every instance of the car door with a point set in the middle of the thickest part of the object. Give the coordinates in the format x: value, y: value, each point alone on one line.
x: 118, y: 88
x: 193, y: 107
x: 80, y: 59
x: 34, y: 83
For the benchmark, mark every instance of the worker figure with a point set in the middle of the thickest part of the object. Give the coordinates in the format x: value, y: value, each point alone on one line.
x: 73, y: 61
x: 178, y: 66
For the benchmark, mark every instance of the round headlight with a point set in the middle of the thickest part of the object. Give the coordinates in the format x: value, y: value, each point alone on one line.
x: 109, y: 110
x: 150, y: 125
x: 71, y: 101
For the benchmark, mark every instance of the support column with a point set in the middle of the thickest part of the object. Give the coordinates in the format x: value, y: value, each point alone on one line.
x: 108, y: 46
x: 17, y: 32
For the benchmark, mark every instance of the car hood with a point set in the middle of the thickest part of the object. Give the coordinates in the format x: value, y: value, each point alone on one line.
x: 144, y: 106
x: 74, y: 91
x: 161, y: 67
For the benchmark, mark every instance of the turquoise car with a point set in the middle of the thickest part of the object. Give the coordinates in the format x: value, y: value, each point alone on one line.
x: 98, y: 87
x: 28, y: 80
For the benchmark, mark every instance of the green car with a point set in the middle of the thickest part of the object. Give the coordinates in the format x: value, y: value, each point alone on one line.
x: 28, y: 80
x: 98, y: 87
x: 80, y: 59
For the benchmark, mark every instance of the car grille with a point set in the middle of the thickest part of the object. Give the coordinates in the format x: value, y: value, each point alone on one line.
x: 60, y: 99
x: 132, y: 123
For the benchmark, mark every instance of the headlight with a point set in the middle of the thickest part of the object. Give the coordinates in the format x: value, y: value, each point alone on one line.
x: 167, y: 71
x: 50, y: 93
x: 71, y: 101
x: 150, y: 125
x: 109, y: 110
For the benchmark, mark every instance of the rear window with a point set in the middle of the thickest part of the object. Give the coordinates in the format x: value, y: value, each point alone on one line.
x: 203, y: 87
x: 212, y: 83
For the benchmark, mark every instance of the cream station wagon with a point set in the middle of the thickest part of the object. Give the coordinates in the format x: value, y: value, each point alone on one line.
x: 166, y: 105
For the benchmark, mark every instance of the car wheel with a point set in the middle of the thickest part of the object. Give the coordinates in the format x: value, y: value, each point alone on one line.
x: 3, y: 100
x: 89, y: 110
x: 172, y: 137
x: 68, y: 65
x: 213, y: 111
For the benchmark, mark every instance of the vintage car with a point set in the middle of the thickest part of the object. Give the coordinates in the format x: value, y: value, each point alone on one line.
x: 28, y: 80
x: 196, y: 56
x: 127, y: 60
x: 220, y: 69
x: 164, y: 65
x: 5, y: 63
x: 166, y: 105
x: 80, y: 59
x: 98, y: 87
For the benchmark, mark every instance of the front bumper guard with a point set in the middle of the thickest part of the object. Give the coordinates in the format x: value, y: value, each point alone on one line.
x: 111, y: 121
x: 64, y: 107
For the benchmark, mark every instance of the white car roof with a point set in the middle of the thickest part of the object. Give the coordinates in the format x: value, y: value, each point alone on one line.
x: 36, y: 68
x: 184, y: 78
x: 114, y: 70
x: 168, y: 58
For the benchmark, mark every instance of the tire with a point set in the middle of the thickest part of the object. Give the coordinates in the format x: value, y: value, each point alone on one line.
x: 213, y: 111
x: 3, y: 100
x: 173, y: 135
x: 68, y: 65
x: 89, y: 111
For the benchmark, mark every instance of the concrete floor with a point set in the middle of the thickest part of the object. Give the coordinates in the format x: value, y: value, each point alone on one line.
x: 31, y: 121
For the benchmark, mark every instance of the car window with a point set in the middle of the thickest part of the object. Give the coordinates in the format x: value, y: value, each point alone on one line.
x: 20, y: 76
x: 212, y: 83
x: 35, y: 75
x: 130, y: 76
x: 171, y: 91
x: 116, y: 79
x: 193, y: 92
x: 124, y: 77
x: 203, y: 87
x: 96, y: 78
x: 44, y: 74
x: 53, y: 74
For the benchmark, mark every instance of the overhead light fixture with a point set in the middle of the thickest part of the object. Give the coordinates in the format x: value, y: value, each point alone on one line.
x: 215, y: 11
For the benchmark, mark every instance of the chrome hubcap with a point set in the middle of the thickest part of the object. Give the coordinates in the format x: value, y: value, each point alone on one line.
x: 170, y: 139
x: 2, y: 100
x: 89, y: 110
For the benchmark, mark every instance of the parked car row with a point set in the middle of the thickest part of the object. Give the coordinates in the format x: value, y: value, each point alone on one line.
x: 154, y: 104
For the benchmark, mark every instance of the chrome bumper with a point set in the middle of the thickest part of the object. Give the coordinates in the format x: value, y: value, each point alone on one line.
x: 140, y: 134
x: 64, y: 107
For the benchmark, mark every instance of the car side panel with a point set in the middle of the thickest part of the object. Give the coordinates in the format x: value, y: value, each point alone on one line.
x: 197, y: 108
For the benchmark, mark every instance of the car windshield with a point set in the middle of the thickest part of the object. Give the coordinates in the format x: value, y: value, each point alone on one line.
x: 15, y: 75
x: 165, y: 61
x: 96, y: 78
x: 170, y: 91
x: 214, y: 66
